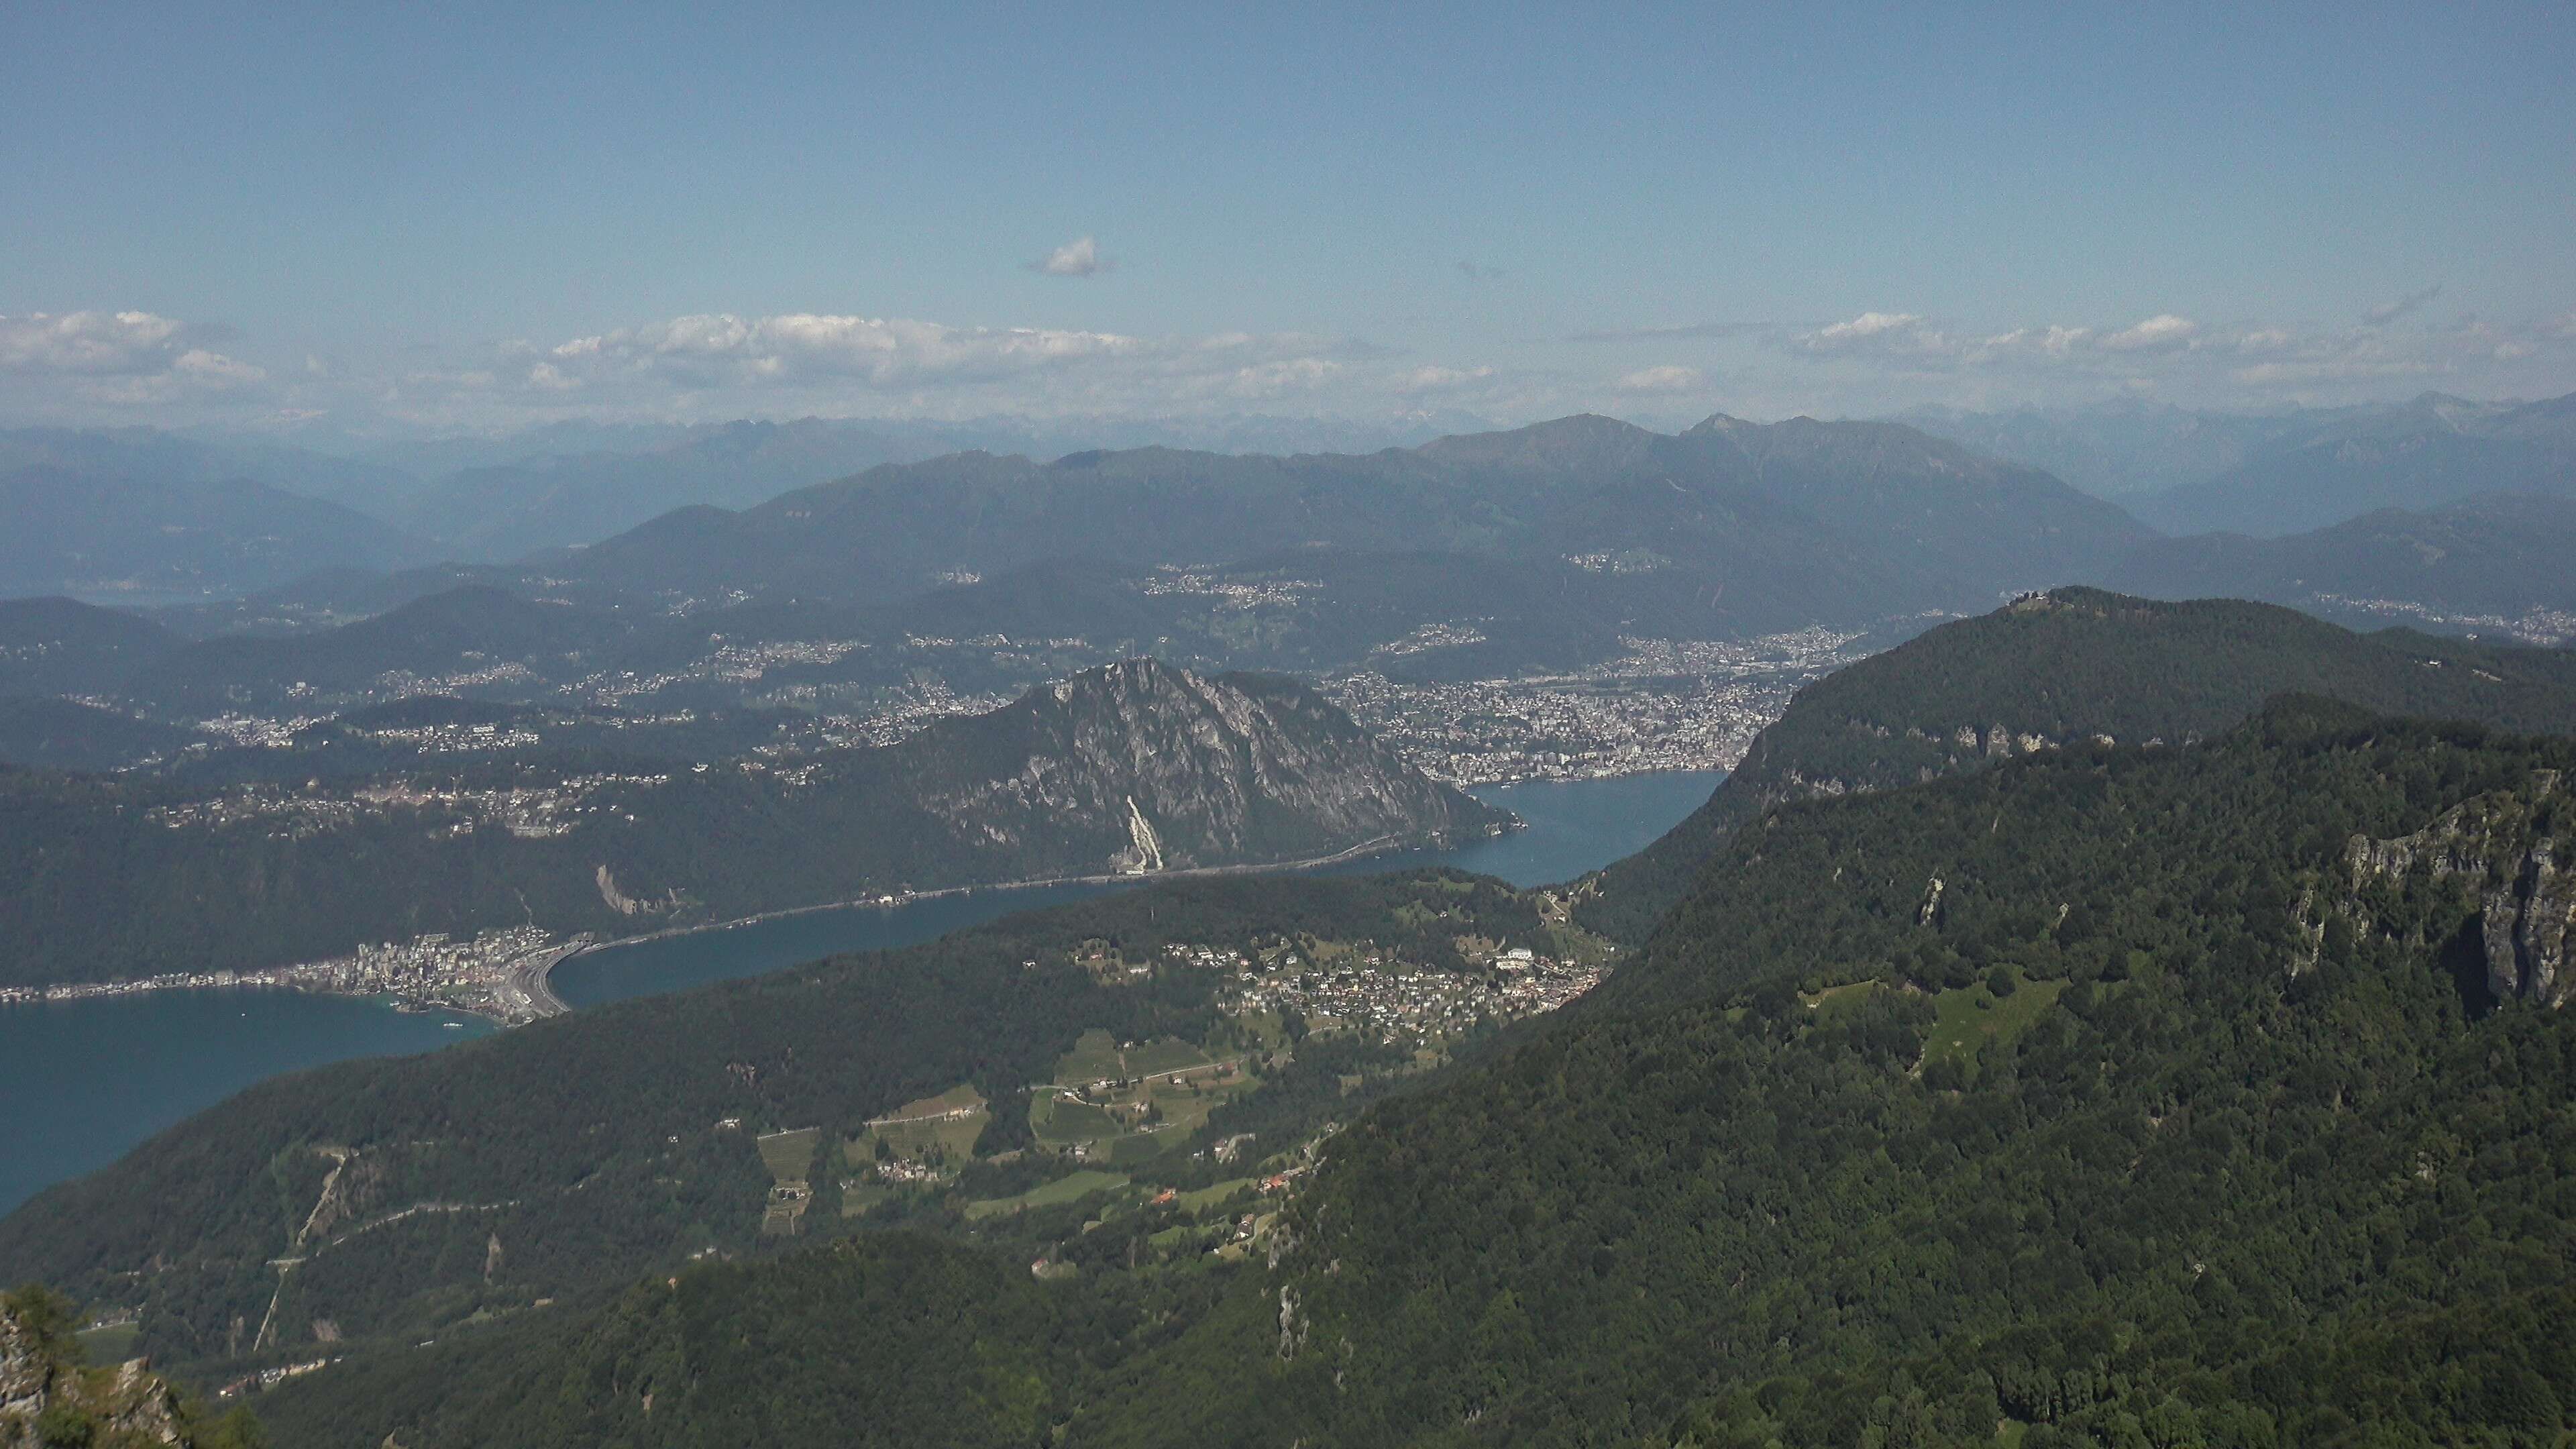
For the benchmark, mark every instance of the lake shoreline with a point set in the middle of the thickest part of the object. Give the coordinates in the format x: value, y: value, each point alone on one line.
x: 1369, y: 849
x: 88, y: 1079
x: 534, y: 978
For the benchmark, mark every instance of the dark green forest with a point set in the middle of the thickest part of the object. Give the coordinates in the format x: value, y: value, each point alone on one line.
x: 2160, y: 1123
x: 2062, y: 668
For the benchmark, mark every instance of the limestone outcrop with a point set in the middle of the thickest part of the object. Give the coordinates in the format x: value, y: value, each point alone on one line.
x: 2502, y: 847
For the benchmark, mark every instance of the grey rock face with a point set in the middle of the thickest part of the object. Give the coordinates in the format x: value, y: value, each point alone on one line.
x: 2504, y: 843
x: 1166, y: 769
x: 24, y: 1375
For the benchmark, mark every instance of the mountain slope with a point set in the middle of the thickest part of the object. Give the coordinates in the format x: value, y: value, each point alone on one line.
x: 2058, y: 669
x: 165, y: 458
x: 1770, y: 527
x: 1135, y: 769
x: 2199, y: 1182
x: 80, y: 532
x: 507, y: 510
x: 2328, y: 482
x: 54, y: 645
x: 2493, y: 563
x: 2172, y: 1120
x: 623, y: 1137
x: 2281, y: 472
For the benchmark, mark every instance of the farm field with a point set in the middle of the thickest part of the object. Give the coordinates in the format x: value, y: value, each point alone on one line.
x: 1835, y: 998
x: 1965, y: 1028
x: 946, y: 1125
x: 789, y: 1155
x: 1063, y: 1189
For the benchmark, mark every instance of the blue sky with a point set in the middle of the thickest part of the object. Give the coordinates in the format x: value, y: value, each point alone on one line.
x: 383, y: 217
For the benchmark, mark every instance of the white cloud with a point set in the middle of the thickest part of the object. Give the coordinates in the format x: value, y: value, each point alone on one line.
x: 1871, y: 324
x: 1914, y: 343
x: 116, y: 360
x: 1890, y: 335
x: 1288, y: 375
x: 2335, y: 369
x: 2042, y: 342
x: 1667, y: 378
x: 2160, y: 333
x: 1441, y: 379
x: 214, y: 370
x: 1871, y: 331
x: 93, y: 344
x: 732, y: 365
x: 716, y: 349
x: 1077, y: 258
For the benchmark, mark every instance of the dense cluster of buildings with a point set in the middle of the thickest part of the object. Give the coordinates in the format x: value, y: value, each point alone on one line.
x: 1664, y: 705
x: 1398, y: 1002
x: 1243, y: 594
x: 2547, y: 628
x: 500, y: 974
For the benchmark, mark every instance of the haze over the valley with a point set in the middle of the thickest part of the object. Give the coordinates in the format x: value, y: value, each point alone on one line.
x: 1150, y: 727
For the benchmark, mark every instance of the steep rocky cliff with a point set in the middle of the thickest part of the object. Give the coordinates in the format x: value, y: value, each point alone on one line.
x: 1142, y: 767
x: 1137, y: 768
x: 2497, y: 856
x: 48, y: 1397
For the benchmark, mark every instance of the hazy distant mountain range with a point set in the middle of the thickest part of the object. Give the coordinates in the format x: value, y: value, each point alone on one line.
x: 1466, y: 556
x: 2273, y: 473
x: 1747, y: 526
x: 238, y: 514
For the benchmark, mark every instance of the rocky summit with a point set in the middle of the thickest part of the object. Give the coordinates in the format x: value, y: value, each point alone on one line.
x: 1142, y: 767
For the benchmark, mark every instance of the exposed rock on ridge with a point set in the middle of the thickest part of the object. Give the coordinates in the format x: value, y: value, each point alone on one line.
x: 2502, y: 848
x: 1167, y: 770
x: 46, y: 1397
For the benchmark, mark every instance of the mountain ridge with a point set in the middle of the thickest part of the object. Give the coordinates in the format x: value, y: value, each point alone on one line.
x: 112, y: 877
x: 2055, y: 670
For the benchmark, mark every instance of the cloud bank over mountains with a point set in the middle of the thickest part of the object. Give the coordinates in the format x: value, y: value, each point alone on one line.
x: 116, y: 359
x: 111, y: 366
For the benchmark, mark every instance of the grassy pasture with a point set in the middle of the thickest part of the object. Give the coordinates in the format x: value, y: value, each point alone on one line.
x: 1055, y: 1121
x: 1199, y: 1200
x: 1165, y: 1055
x: 949, y: 1122
x: 1836, y: 998
x: 1094, y: 1058
x: 1965, y: 1027
x: 789, y: 1156
x: 1063, y: 1189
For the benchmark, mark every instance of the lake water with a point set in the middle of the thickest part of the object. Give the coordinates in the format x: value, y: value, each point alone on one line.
x: 83, y: 1081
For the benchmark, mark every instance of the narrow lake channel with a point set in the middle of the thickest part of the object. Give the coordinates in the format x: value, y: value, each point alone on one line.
x: 81, y: 1082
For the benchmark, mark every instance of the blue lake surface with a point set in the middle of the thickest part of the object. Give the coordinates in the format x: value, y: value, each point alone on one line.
x: 82, y: 1082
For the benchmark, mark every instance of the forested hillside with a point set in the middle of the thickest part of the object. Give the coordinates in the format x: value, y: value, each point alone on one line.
x: 2489, y: 563
x: 2062, y: 668
x: 2112, y: 1091
x: 1138, y: 769
x: 415, y: 1194
x: 2119, y: 1095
